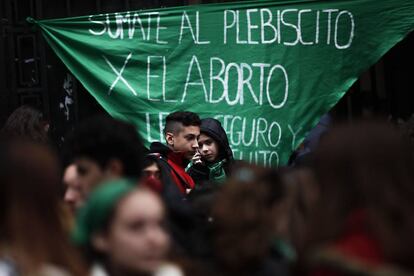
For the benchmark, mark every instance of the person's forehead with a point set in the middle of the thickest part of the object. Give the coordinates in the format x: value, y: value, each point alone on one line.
x: 70, y: 171
x: 152, y: 167
x: 85, y: 161
x: 87, y: 164
x: 140, y: 203
x: 205, y: 137
x: 70, y: 177
x: 185, y: 130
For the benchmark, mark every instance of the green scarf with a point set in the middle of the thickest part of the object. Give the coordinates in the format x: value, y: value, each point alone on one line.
x: 217, y: 172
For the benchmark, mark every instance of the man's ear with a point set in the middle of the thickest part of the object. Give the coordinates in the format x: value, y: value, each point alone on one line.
x: 100, y: 242
x: 169, y: 138
x: 114, y: 167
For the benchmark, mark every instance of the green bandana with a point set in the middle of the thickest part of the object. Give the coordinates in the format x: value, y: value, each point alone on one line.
x: 93, y: 215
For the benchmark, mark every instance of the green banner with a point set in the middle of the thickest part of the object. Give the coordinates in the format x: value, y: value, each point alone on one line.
x: 268, y: 70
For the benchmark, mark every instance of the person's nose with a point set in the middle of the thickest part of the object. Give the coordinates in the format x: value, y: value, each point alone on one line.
x: 195, y: 144
x: 70, y: 196
x: 158, y: 237
x: 151, y: 176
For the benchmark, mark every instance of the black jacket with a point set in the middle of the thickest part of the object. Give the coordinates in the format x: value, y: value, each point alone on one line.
x: 181, y: 218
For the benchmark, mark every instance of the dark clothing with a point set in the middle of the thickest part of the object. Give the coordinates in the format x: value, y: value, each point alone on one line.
x: 202, y: 172
x: 303, y: 155
x: 175, y: 181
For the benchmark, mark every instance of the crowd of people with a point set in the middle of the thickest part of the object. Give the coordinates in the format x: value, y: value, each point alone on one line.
x: 104, y: 205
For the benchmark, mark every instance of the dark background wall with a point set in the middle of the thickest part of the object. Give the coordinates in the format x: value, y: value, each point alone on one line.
x: 30, y: 73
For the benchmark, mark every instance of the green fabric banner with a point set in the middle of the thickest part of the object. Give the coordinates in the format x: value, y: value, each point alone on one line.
x: 268, y: 70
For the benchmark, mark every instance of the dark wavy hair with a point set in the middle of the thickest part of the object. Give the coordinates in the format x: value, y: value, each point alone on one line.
x: 26, y: 122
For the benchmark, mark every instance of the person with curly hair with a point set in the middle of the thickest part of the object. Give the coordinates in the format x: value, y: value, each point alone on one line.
x: 102, y: 148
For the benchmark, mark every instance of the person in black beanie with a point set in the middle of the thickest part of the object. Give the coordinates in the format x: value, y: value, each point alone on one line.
x: 216, y: 156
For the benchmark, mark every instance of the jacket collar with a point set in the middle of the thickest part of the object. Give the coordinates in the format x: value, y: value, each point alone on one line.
x: 176, y: 157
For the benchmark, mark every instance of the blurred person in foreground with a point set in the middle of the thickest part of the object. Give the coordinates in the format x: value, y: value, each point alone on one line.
x: 121, y: 229
x: 301, y: 194
x: 32, y: 238
x: 102, y: 148
x: 243, y: 224
x: 362, y: 221
x: 74, y: 195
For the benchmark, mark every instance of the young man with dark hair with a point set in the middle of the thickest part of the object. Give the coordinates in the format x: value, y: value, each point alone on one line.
x: 103, y: 148
x: 181, y: 132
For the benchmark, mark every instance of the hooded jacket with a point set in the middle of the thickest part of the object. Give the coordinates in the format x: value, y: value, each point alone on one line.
x: 203, y: 172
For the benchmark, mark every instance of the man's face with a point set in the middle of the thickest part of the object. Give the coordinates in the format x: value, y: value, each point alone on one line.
x: 90, y: 174
x: 185, y: 140
x: 209, y: 148
x: 74, y: 194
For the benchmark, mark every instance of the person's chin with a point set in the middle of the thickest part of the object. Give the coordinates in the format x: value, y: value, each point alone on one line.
x: 189, y: 155
x: 209, y: 158
x: 150, y: 265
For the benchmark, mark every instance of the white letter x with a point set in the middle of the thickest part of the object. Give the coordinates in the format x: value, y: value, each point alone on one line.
x: 119, y: 75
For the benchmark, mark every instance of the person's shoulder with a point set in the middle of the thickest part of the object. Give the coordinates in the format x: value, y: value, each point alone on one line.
x: 51, y: 270
x: 7, y: 267
x: 199, y: 171
x: 98, y: 270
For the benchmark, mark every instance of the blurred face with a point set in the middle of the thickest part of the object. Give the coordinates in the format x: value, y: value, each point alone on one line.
x: 89, y: 174
x: 74, y: 195
x: 208, y: 148
x: 152, y: 171
x: 136, y: 240
x: 184, y: 141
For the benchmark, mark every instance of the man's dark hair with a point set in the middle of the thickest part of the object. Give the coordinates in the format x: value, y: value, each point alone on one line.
x: 175, y: 121
x: 102, y: 138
